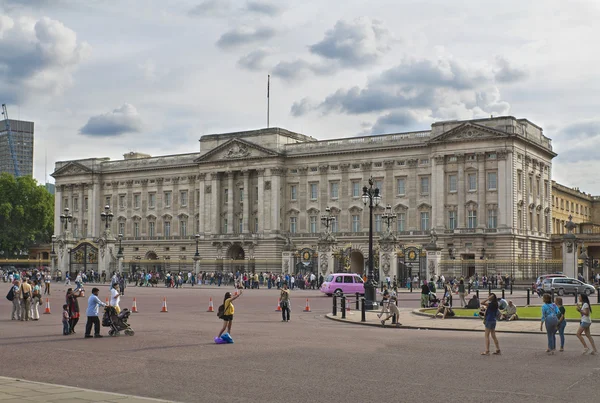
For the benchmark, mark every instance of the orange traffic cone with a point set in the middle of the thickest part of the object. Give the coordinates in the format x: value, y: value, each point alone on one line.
x: 307, y: 307
x: 278, y: 306
x: 210, y: 305
x: 164, y: 306
x: 47, y: 305
x: 134, y: 307
x: 107, y: 301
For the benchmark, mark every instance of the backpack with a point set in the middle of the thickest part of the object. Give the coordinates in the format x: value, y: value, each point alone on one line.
x: 221, y: 312
x: 25, y: 295
x: 11, y: 294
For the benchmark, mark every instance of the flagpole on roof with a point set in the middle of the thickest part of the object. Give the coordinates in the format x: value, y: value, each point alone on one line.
x: 268, y: 97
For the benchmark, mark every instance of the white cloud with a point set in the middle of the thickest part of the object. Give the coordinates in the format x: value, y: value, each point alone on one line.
x: 124, y: 119
x: 244, y: 35
x: 37, y: 58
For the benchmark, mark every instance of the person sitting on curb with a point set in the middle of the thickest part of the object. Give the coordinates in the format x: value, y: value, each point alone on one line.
x: 445, y: 309
x: 473, y: 303
x: 510, y: 313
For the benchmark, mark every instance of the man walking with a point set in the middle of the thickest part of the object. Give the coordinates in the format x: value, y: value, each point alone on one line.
x: 16, y: 311
x: 25, y: 300
x: 92, y: 314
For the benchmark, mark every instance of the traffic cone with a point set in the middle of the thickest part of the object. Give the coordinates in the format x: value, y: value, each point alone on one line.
x: 47, y: 306
x: 134, y: 307
x: 210, y: 305
x: 107, y: 302
x: 164, y: 306
x: 278, y: 306
x: 307, y: 307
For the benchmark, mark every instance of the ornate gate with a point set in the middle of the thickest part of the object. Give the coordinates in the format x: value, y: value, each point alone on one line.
x: 84, y: 257
x: 412, y: 261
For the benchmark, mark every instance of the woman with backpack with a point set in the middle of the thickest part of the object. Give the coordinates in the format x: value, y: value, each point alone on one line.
x: 550, y: 314
x: 228, y: 311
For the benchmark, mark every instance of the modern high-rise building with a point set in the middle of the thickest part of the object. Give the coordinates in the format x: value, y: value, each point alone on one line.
x: 22, y: 136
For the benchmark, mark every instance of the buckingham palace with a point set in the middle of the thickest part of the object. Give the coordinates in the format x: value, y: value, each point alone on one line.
x: 275, y: 200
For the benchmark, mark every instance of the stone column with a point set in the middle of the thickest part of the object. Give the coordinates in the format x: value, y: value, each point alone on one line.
x: 106, y: 248
x: 387, y: 256
x: 214, y: 213
x: 287, y: 262
x: 246, y: 205
x: 325, y: 247
x: 481, y: 190
x: 505, y: 190
x: 57, y: 209
x: 462, y: 186
x: 438, y: 190
x: 434, y: 258
x: 230, y: 202
x: 261, y: 199
x: 201, y: 204
x: 96, y: 203
x: 275, y: 199
x: 569, y: 253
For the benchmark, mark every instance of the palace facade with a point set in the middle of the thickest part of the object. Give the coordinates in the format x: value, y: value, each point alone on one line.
x: 484, y: 186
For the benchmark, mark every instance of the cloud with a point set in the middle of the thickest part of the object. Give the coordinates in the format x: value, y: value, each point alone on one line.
x: 301, y: 107
x: 395, y: 121
x: 263, y: 7
x: 211, y: 8
x: 124, y: 119
x: 354, y: 44
x: 578, y: 141
x: 506, y: 73
x: 37, y: 58
x: 244, y: 35
x: 254, y: 60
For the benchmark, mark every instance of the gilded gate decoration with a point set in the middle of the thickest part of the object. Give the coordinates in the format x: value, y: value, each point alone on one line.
x: 84, y: 257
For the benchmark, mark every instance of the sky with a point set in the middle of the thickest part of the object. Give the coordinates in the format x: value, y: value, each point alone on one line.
x: 101, y: 78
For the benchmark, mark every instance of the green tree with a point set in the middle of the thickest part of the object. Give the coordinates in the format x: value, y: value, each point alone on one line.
x: 26, y: 214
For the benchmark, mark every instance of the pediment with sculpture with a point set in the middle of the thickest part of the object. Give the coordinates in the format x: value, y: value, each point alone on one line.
x: 236, y: 149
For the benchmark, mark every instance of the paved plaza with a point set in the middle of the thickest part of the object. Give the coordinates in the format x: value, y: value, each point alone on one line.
x: 311, y: 358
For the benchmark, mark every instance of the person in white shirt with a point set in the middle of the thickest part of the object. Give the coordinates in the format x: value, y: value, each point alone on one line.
x: 115, y: 297
x: 585, y: 310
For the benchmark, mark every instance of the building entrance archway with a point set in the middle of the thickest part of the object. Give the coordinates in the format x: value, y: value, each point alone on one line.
x: 237, y: 258
x: 357, y: 262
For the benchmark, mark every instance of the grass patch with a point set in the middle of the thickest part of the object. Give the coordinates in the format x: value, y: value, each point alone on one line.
x: 531, y: 312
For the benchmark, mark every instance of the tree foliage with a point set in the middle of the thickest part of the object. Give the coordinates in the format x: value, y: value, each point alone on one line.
x: 26, y: 214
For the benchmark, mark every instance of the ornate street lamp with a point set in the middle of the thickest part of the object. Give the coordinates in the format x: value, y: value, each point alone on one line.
x: 197, y: 240
x: 66, y: 218
x: 327, y: 220
x: 372, y: 198
x: 106, y: 216
x: 388, y: 217
x: 53, y: 241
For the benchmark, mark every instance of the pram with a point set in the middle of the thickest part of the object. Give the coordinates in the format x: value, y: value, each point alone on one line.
x: 117, y: 322
x: 434, y: 301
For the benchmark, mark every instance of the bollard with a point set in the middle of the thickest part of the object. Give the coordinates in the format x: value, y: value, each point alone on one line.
x: 528, y: 297
x: 363, y: 311
x: 411, y: 286
x: 511, y: 288
x: 489, y: 288
x: 343, y: 307
x: 503, y: 293
x: 477, y: 293
x: 598, y: 294
x: 469, y: 288
x: 334, y: 313
x: 450, y: 294
x: 576, y: 298
x: 357, y: 297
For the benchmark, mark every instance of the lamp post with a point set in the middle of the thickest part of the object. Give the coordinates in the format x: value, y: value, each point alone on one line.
x: 66, y: 218
x: 388, y: 216
x: 53, y: 241
x: 372, y: 198
x: 120, y: 253
x: 327, y: 220
x: 197, y: 240
x: 106, y: 216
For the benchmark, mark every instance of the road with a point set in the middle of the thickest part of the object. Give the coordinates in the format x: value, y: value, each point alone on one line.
x: 172, y: 355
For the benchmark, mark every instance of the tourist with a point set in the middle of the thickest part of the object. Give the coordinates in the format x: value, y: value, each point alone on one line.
x: 36, y: 300
x: 16, y: 295
x: 462, y: 293
x: 65, y: 320
x: 73, y: 307
x: 562, y: 322
x: 445, y: 309
x: 92, y: 314
x: 25, y: 300
x: 284, y: 303
x: 510, y: 313
x: 115, y: 297
x: 47, y: 280
x: 550, y: 315
x: 425, y: 295
x: 491, y: 311
x: 585, y: 309
x: 384, y: 301
x: 228, y: 312
x: 473, y: 303
x: 392, y: 308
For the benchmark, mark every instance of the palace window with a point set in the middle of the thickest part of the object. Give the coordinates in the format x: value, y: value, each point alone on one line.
x: 168, y: 199
x: 183, y: 198
x: 294, y: 192
x: 452, y: 220
x: 424, y: 185
x: 151, y: 200
x: 355, y: 189
x: 334, y: 186
x: 424, y: 220
x: 401, y: 186
x: 293, y: 224
x: 401, y: 219
x: 167, y: 229
x: 452, y: 183
x: 136, y: 201
x: 312, y: 224
x: 492, y: 218
x: 355, y: 223
x: 472, y: 182
x: 314, y: 188
x: 183, y: 228
x: 472, y: 219
x: 492, y: 180
x: 378, y: 223
x: 151, y: 228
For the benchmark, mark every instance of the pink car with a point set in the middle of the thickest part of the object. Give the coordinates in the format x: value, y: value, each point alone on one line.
x: 343, y: 283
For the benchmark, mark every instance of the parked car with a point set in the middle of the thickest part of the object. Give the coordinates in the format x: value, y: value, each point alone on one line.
x: 547, y: 276
x: 566, y: 285
x: 343, y: 283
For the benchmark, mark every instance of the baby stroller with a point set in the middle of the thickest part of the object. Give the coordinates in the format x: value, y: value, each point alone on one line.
x: 117, y: 322
x: 434, y: 301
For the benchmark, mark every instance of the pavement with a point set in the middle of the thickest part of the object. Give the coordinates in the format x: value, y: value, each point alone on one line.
x: 416, y: 319
x: 19, y: 390
x: 311, y: 358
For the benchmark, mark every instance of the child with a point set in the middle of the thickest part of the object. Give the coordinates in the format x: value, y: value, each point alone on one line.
x: 562, y: 322
x: 228, y: 312
x: 65, y: 321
